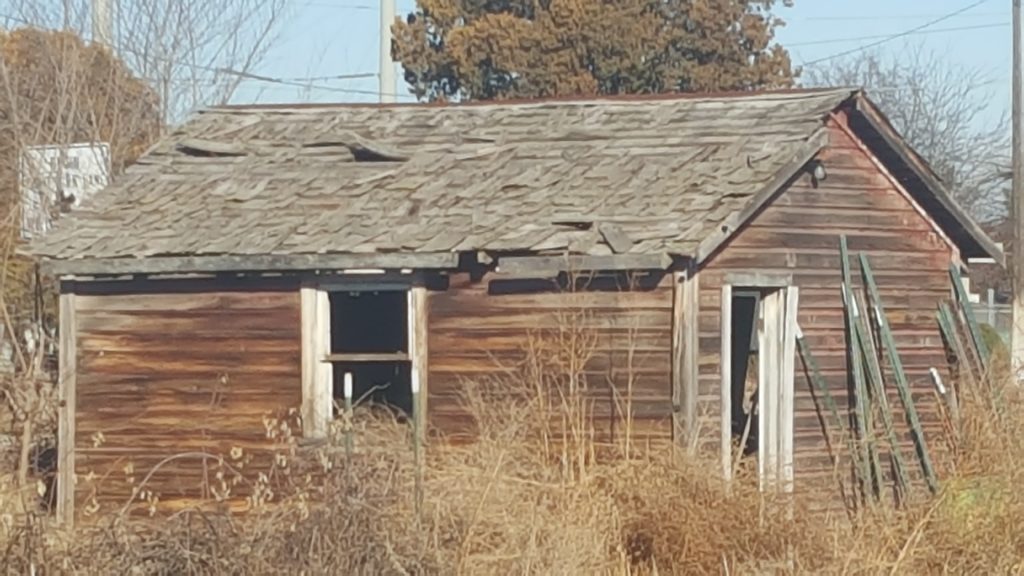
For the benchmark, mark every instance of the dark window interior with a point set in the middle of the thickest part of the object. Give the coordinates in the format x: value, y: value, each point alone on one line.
x: 369, y: 322
x: 376, y: 383
x: 372, y: 322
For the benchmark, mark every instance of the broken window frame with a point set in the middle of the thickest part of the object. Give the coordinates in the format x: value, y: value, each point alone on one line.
x: 318, y: 362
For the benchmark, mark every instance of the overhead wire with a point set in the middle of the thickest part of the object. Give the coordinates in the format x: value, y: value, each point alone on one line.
x: 899, y: 35
x: 296, y: 82
x: 876, y: 36
x: 310, y: 82
x: 886, y: 17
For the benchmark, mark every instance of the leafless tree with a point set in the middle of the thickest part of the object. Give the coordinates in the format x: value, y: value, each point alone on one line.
x: 945, y: 111
x: 193, y: 52
x: 164, y: 59
x: 55, y: 90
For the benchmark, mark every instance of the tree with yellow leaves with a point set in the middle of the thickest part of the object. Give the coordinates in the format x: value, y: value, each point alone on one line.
x: 501, y: 49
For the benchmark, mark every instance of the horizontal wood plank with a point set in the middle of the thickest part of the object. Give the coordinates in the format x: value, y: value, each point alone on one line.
x: 798, y: 234
x: 201, y: 369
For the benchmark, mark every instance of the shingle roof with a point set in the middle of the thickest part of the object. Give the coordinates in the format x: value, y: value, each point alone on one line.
x: 591, y: 177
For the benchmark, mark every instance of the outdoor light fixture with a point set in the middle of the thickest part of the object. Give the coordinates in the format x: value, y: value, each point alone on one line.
x: 818, y: 171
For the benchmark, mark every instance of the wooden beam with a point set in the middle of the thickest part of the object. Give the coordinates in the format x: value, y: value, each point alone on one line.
x: 819, y: 382
x: 249, y: 263
x: 307, y: 303
x: 947, y: 325
x: 952, y: 404
x: 678, y: 414
x: 67, y: 377
x: 690, y: 341
x: 732, y: 224
x: 725, y: 372
x: 369, y: 357
x: 551, y: 265
x: 316, y: 375
x: 758, y: 279
x: 418, y: 349
x: 787, y: 397
x: 768, y: 372
x: 323, y: 396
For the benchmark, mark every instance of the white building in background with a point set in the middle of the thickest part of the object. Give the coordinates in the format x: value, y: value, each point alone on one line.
x: 52, y: 176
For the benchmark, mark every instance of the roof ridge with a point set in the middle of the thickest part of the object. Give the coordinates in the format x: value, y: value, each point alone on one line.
x: 779, y: 94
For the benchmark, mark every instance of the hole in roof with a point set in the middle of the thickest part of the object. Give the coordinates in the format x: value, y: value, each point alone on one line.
x: 210, y: 149
x: 571, y: 223
x: 365, y: 154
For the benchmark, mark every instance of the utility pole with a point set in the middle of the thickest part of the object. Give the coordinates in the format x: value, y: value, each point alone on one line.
x: 1017, y: 202
x: 103, y: 22
x: 387, y: 65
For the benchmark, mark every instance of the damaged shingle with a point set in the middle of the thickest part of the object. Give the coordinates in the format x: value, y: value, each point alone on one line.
x: 625, y: 176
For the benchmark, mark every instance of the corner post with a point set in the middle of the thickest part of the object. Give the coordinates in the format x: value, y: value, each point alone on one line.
x: 67, y: 376
x: 418, y: 336
x: 685, y: 322
x: 725, y: 372
x: 317, y: 376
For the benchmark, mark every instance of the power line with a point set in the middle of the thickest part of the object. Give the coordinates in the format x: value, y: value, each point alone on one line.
x: 344, y: 6
x: 296, y: 83
x: 293, y: 82
x: 359, y: 76
x: 908, y: 32
x: 348, y: 6
x: 886, y: 17
x: 876, y: 36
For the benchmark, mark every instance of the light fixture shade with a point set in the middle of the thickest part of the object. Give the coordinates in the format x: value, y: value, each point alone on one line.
x: 819, y: 171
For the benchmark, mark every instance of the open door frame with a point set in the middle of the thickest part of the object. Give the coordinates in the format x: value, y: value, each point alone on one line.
x: 776, y: 332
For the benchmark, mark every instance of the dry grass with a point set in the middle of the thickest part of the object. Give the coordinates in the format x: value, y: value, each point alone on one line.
x: 521, y: 500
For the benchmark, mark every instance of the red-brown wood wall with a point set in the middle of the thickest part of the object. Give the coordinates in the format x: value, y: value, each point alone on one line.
x: 197, y: 366
x: 482, y: 330
x: 179, y: 368
x: 798, y: 233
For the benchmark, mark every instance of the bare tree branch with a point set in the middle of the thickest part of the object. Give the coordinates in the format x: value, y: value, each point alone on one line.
x: 944, y: 110
x: 193, y: 52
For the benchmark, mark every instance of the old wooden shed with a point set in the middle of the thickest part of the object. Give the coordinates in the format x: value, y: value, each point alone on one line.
x: 258, y: 251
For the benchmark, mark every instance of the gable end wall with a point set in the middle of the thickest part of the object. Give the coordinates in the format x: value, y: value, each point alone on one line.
x: 798, y: 233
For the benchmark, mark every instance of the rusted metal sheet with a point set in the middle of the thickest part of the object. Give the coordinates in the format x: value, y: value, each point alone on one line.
x: 173, y: 377
x: 798, y: 233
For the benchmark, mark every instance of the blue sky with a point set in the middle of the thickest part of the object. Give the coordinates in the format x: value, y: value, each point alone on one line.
x: 324, y: 38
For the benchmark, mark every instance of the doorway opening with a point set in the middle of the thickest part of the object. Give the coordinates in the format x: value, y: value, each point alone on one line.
x: 744, y: 374
x: 758, y: 348
x: 369, y: 339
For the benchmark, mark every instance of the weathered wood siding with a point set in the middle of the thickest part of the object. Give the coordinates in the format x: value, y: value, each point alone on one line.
x: 171, y: 370
x: 798, y: 233
x: 484, y: 331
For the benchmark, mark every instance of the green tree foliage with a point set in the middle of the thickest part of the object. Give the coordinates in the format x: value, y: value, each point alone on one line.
x: 499, y: 49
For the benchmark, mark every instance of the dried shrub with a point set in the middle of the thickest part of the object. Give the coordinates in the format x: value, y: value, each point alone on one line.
x: 514, y: 500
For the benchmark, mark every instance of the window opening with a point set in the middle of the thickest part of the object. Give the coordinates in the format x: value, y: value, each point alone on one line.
x: 370, y: 340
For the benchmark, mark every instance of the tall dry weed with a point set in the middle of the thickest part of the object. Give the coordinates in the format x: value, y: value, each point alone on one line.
x: 529, y: 496
x: 974, y: 524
